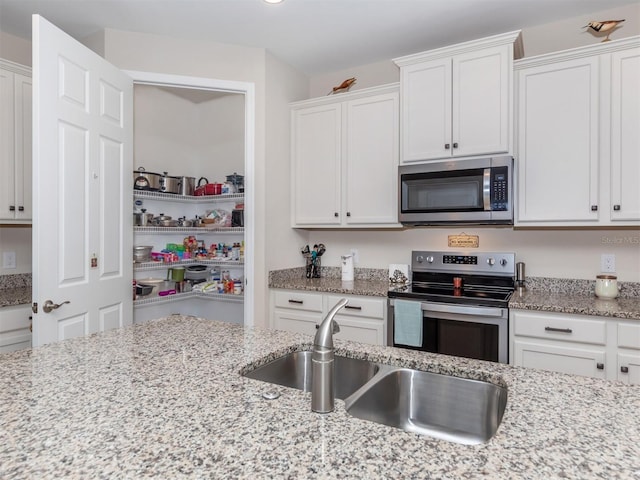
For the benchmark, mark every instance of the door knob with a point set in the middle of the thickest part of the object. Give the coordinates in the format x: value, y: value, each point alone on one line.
x: 49, y: 306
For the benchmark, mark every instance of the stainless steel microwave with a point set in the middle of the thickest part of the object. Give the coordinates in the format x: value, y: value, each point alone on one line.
x: 457, y: 192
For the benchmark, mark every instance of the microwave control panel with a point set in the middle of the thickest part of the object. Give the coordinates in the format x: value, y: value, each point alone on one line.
x: 499, y: 189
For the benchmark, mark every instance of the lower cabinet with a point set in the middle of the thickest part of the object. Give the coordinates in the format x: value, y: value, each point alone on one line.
x: 600, y: 347
x: 363, y: 319
x: 15, y: 328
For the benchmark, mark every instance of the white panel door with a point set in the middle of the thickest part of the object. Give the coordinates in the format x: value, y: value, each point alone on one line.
x: 481, y: 102
x: 82, y: 234
x: 371, y: 189
x: 426, y: 111
x: 625, y: 136
x: 316, y: 160
x: 558, y: 142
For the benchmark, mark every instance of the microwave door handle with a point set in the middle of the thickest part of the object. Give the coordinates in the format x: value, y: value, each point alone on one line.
x: 486, y: 189
x: 462, y: 310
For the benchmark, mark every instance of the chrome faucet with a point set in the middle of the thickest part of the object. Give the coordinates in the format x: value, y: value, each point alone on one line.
x: 322, y: 363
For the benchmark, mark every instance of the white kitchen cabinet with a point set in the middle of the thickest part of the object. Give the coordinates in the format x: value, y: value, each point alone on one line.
x: 578, y: 114
x: 457, y: 101
x: 363, y: 319
x: 189, y: 206
x: 628, y: 352
x: 15, y: 328
x: 344, y: 151
x: 15, y: 143
x: 601, y: 347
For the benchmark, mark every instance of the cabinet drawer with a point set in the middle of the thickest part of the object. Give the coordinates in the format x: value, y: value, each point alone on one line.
x: 358, y: 306
x: 14, y: 318
x: 568, y: 328
x: 588, y: 362
x: 15, y: 340
x: 299, y: 301
x: 629, y: 335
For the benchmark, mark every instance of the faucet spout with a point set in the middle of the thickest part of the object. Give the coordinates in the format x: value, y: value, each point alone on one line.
x: 322, y: 363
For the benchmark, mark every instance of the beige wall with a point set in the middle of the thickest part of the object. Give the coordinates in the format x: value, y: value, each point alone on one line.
x: 15, y: 49
x: 18, y: 240
x: 546, y: 38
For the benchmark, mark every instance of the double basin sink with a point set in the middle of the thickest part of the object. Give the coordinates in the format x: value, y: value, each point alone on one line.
x: 441, y: 406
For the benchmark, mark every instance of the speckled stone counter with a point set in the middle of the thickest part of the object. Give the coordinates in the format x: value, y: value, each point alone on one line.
x: 15, y: 289
x: 165, y: 400
x: 367, y: 281
x: 577, y: 297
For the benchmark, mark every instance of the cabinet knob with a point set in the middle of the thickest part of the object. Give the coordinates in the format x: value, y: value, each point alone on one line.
x: 594, y: 208
x: 21, y: 208
x: 335, y: 214
x: 447, y: 146
x: 348, y: 214
x: 455, y: 145
x: 624, y: 369
x: 600, y: 366
x: 12, y: 208
x: 616, y: 208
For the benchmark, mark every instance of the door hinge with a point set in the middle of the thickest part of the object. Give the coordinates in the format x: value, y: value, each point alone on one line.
x: 34, y: 307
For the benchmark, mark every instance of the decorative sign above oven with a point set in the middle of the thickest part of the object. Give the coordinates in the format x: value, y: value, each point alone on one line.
x: 464, y: 241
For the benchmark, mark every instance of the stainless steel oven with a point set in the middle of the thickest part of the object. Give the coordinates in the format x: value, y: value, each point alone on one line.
x: 459, y: 301
x: 472, y: 191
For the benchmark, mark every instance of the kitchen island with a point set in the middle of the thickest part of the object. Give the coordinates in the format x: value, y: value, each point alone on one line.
x: 165, y: 399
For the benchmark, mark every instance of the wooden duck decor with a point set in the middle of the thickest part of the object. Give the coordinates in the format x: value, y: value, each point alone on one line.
x: 344, y: 86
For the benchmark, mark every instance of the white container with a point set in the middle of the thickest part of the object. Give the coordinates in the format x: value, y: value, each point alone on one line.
x: 347, y: 268
x: 607, y: 286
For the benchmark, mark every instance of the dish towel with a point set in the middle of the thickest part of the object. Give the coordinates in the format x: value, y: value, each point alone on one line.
x: 407, y: 323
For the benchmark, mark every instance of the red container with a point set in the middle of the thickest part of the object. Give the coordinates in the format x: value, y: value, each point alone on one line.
x: 207, y: 188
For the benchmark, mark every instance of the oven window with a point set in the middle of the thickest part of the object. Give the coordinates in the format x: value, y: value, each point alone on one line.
x: 467, y: 339
x: 422, y: 193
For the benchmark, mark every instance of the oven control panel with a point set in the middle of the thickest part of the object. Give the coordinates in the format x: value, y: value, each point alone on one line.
x: 481, y: 263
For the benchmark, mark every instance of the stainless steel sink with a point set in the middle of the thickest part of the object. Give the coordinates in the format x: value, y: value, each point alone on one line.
x: 446, y: 407
x: 442, y: 406
x: 294, y: 370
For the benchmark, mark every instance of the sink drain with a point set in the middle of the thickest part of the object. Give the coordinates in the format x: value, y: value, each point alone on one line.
x: 271, y: 394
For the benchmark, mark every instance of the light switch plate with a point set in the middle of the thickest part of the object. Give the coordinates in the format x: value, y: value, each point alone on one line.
x: 8, y: 259
x: 607, y: 263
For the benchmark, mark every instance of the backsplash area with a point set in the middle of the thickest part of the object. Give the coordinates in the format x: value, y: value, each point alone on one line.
x: 18, y: 280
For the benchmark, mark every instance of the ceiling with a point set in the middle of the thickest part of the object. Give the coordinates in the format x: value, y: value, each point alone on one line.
x: 314, y: 36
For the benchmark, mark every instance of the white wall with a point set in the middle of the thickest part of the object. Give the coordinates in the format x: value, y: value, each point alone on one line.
x: 537, y: 40
x: 18, y: 240
x: 199, y: 137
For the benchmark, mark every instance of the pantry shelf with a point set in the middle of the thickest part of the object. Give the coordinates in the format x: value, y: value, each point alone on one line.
x: 170, y: 197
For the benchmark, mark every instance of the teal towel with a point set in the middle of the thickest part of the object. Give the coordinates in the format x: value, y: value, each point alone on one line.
x: 407, y: 323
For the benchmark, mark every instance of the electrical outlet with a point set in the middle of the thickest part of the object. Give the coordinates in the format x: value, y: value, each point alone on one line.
x: 354, y: 254
x: 8, y: 259
x: 607, y: 263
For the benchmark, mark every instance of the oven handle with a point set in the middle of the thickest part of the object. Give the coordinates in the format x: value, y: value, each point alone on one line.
x: 486, y: 189
x: 461, y: 309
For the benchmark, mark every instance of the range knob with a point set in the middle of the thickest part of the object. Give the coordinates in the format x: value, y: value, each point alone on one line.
x: 491, y: 261
x: 430, y: 259
x: 503, y: 261
x: 419, y: 259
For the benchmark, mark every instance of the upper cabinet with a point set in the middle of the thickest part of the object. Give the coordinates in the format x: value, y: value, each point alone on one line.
x: 458, y: 101
x: 344, y: 152
x: 15, y: 143
x: 578, y: 148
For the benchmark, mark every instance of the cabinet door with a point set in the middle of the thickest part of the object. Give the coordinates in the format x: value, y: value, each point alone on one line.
x: 22, y: 95
x: 7, y: 150
x: 560, y: 357
x: 363, y: 330
x: 625, y: 138
x: 316, y: 160
x: 481, y: 102
x: 558, y: 142
x: 629, y: 368
x: 296, y: 321
x: 371, y: 190
x: 15, y: 325
x: 426, y: 111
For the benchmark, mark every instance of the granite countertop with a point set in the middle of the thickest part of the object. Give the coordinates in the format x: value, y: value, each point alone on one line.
x: 165, y: 399
x: 15, y: 289
x: 368, y: 282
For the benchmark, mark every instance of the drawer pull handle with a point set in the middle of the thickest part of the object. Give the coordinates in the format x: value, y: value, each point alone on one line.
x: 298, y: 302
x: 624, y: 369
x: 600, y: 366
x: 352, y: 307
x: 561, y: 330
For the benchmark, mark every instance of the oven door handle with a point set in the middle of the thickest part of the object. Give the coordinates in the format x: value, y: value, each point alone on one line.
x: 463, y: 310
